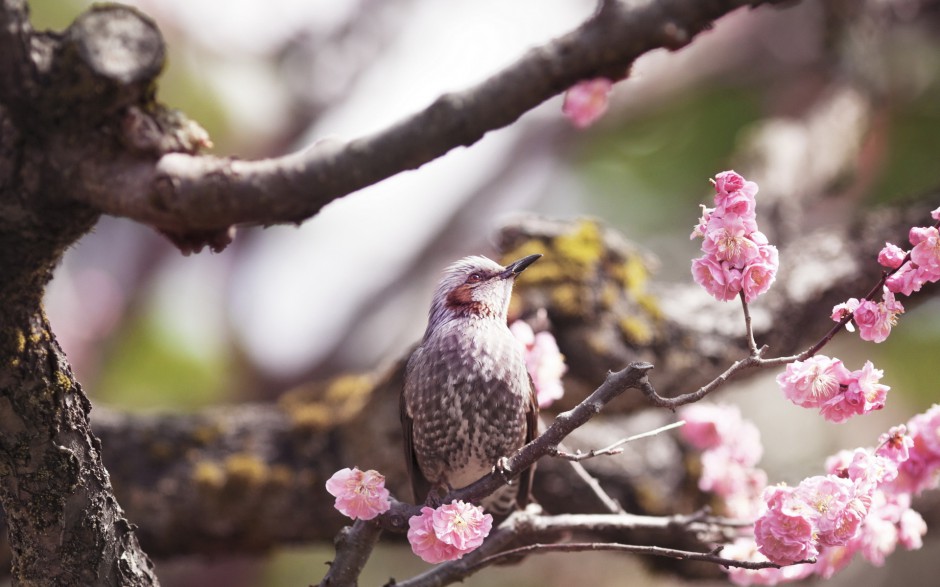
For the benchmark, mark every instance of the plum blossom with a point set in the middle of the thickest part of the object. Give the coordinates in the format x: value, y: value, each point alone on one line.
x: 825, y: 383
x: 874, y: 320
x: 784, y: 533
x: 424, y: 541
x: 737, y: 256
x: 543, y: 361
x: 895, y: 444
x: 462, y: 525
x: 861, y: 506
x: 924, y: 264
x: 586, y: 101
x: 813, y: 382
x: 448, y: 532
x: 731, y: 449
x: 718, y: 278
x: 359, y: 494
x: 892, y: 256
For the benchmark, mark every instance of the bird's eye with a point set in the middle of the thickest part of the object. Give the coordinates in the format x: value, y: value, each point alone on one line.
x: 474, y: 278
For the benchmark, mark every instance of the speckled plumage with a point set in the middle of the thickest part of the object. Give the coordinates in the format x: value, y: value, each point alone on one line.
x: 468, y: 400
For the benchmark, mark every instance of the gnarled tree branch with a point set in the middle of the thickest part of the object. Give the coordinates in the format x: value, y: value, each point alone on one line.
x: 182, y: 193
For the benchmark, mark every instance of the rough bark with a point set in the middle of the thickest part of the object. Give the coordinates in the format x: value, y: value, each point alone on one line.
x: 58, y: 91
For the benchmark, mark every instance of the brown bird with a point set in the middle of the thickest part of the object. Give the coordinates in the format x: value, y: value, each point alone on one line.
x: 468, y: 400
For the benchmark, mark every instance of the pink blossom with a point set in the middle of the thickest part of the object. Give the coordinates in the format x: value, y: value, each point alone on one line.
x: 586, y: 101
x: 907, y: 279
x: 926, y: 428
x: 911, y: 529
x: 920, y: 471
x: 462, y: 525
x: 449, y: 532
x: 892, y: 256
x: 424, y: 541
x: 895, y: 444
x: 935, y: 214
x: 543, y: 361
x: 359, y: 494
x: 730, y: 182
x: 838, y: 409
x: 784, y: 533
x: 757, y: 278
x: 869, y: 471
x: 719, y: 279
x: 833, y: 559
x: 699, y: 230
x: 835, y: 511
x: 879, y: 535
x: 745, y: 549
x: 813, y: 382
x: 926, y: 251
x: 864, y: 390
x: 731, y: 448
x: 708, y: 425
x: 730, y: 243
x: 919, y: 234
x: 846, y: 308
x: 874, y: 320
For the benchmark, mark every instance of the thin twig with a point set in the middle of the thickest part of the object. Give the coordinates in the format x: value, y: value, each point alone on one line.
x: 612, y: 505
x: 748, y: 327
x: 613, y: 449
x: 710, y: 557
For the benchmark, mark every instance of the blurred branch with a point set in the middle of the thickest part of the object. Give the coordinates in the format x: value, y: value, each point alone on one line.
x: 182, y: 194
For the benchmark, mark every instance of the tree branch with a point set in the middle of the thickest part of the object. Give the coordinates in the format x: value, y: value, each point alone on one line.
x: 183, y: 193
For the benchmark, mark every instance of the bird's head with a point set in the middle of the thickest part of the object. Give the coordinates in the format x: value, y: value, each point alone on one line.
x: 476, y: 287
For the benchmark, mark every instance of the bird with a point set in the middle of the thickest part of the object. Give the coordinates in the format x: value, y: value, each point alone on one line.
x: 468, y: 401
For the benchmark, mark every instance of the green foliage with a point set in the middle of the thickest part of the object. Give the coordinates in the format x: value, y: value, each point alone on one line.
x: 909, y: 357
x: 911, y: 150
x: 147, y: 368
x: 635, y: 168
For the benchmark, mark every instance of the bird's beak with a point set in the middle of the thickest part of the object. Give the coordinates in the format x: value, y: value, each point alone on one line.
x: 517, y: 267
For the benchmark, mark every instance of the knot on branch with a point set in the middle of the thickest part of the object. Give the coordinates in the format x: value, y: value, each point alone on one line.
x: 108, y: 60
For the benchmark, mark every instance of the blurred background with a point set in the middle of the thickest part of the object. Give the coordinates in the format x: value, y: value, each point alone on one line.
x: 146, y: 328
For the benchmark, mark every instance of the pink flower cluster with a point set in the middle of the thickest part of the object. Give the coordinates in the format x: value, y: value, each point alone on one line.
x: 923, y: 265
x: 359, y: 494
x: 730, y: 448
x: 448, y: 532
x: 825, y: 383
x: 909, y: 271
x: 586, y: 102
x: 874, y: 319
x: 543, y: 361
x: 737, y: 256
x: 862, y: 505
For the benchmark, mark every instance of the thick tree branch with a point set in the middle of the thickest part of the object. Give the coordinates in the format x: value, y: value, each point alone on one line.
x: 182, y: 193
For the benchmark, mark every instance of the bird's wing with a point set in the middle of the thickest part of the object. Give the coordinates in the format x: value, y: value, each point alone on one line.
x: 419, y: 484
x: 531, y: 432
